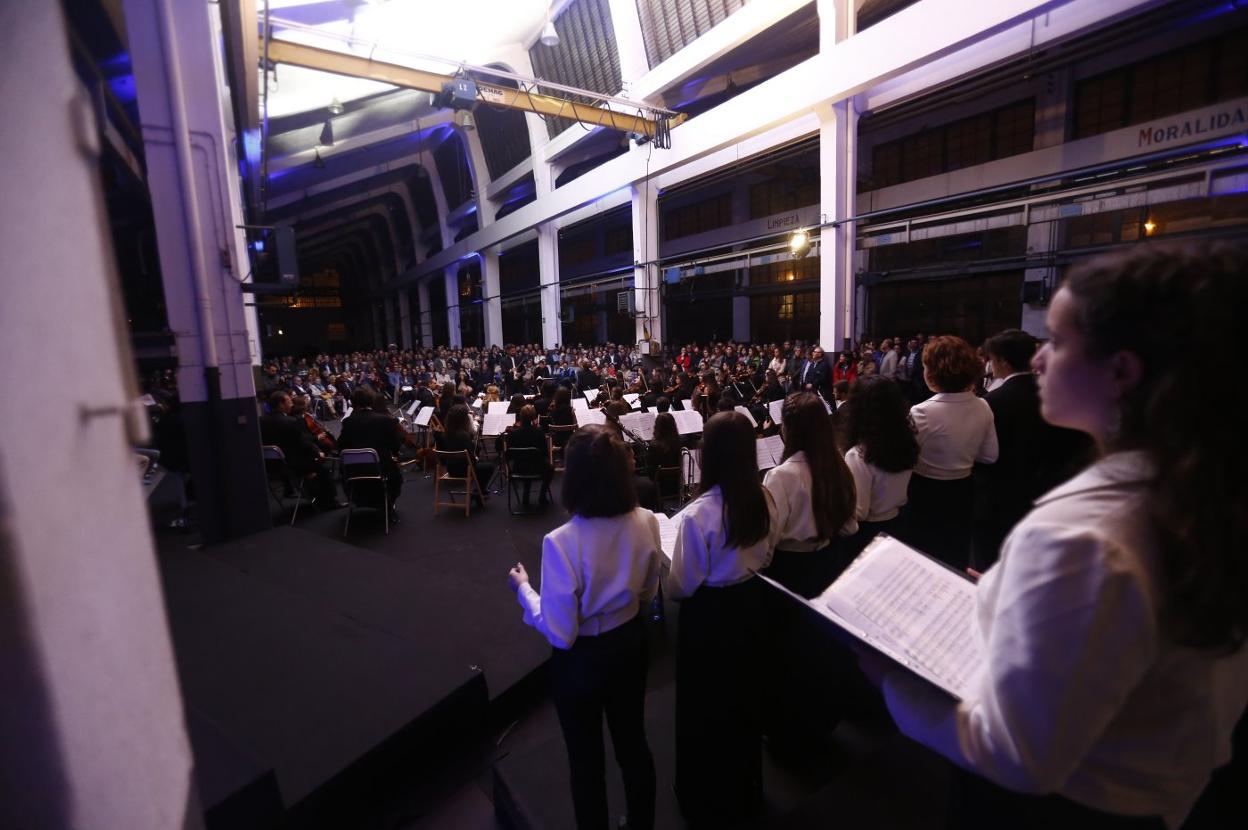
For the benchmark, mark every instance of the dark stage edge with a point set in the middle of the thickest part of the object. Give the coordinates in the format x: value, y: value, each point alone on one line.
x: 297, y: 663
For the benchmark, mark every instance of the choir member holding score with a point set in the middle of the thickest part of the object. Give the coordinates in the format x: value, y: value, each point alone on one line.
x: 1114, y: 623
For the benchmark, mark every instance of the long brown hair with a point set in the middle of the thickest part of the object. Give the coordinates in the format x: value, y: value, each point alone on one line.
x: 730, y: 461
x: 1163, y: 304
x: 808, y: 429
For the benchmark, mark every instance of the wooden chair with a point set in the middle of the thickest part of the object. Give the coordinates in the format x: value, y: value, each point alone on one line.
x: 362, y: 468
x: 469, y: 479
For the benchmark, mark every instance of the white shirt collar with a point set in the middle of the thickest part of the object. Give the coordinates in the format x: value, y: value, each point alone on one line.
x: 1126, y: 467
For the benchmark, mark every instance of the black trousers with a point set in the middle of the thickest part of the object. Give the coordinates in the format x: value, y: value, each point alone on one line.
x: 720, y: 678
x: 601, y: 675
x: 979, y: 804
x: 939, y: 515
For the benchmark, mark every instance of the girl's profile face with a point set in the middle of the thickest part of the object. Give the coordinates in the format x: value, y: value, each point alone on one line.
x: 1076, y: 390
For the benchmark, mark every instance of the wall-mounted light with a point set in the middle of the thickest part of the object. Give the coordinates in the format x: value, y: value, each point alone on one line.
x: 799, y: 243
x: 549, y: 36
x: 1149, y: 226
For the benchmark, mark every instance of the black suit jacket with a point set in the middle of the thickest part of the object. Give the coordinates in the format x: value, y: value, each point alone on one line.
x: 293, y: 438
x: 366, y: 429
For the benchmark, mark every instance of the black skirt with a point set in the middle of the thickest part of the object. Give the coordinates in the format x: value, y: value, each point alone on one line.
x: 940, y: 516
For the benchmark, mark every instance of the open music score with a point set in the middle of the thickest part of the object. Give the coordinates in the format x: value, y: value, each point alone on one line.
x: 745, y: 410
x: 591, y: 395
x: 580, y: 405
x: 770, y: 450
x: 496, y: 423
x: 423, y: 416
x: 633, y: 400
x: 498, y: 408
x: 688, y: 422
x: 667, y: 534
x: 585, y: 417
x: 411, y: 410
x: 774, y: 409
x: 641, y: 423
x: 910, y: 608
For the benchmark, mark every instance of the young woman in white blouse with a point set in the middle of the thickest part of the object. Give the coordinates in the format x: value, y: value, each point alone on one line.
x: 882, y: 453
x: 599, y: 570
x: 724, y: 536
x: 814, y: 495
x: 1114, y: 623
x: 955, y: 431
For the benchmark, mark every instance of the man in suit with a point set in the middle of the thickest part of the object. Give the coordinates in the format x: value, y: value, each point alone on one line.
x: 512, y: 373
x: 793, y: 368
x: 303, y: 458
x: 369, y: 428
x: 1034, y: 456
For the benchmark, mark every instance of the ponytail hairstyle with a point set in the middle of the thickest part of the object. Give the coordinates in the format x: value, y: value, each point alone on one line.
x: 598, y: 474
x: 807, y: 428
x: 1185, y: 415
x: 730, y: 461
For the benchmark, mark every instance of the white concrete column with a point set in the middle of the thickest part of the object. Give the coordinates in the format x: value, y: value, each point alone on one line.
x: 838, y: 129
x: 388, y: 308
x: 628, y: 40
x: 493, y: 304
x: 645, y: 212
x: 451, y: 277
x: 405, y: 318
x: 93, y: 723
x: 426, y: 314
x: 548, y: 277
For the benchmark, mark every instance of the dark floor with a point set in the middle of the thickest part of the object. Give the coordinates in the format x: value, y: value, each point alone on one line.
x: 863, y: 772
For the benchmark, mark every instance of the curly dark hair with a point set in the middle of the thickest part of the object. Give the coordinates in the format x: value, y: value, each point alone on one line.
x: 879, y: 421
x: 951, y: 363
x: 1183, y: 414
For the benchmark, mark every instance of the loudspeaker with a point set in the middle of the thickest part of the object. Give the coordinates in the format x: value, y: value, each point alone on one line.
x: 287, y: 259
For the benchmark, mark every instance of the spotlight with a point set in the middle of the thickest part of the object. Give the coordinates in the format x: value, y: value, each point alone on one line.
x: 335, y: 107
x: 327, y: 134
x: 549, y: 36
x: 465, y: 121
x: 799, y: 243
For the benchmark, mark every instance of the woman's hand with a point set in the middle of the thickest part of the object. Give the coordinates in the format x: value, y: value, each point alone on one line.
x: 517, y: 576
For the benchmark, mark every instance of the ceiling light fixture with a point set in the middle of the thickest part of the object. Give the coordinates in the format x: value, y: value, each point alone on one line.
x: 327, y: 134
x: 549, y: 36
x: 465, y: 121
x: 336, y: 107
x: 799, y: 243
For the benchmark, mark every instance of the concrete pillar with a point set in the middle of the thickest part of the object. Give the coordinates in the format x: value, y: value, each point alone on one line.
x: 493, y: 305
x: 426, y: 314
x: 186, y: 149
x: 838, y: 134
x: 451, y: 276
x: 405, y: 319
x: 628, y: 40
x: 645, y: 212
x: 388, y: 309
x: 548, y: 278
x: 92, y: 720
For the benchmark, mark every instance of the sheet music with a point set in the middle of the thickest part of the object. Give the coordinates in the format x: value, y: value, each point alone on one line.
x: 688, y: 422
x: 745, y: 410
x: 498, y: 407
x: 579, y: 405
x: 641, y: 423
x: 774, y: 408
x: 423, y: 416
x: 775, y: 446
x: 913, y: 609
x: 476, y: 404
x: 496, y: 423
x: 585, y: 417
x: 768, y: 455
x: 411, y: 410
x: 667, y: 534
x: 591, y: 395
x: 633, y: 400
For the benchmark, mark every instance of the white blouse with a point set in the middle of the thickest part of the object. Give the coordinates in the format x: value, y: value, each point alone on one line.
x: 955, y: 430
x: 789, y: 484
x: 701, y: 557
x: 880, y: 494
x: 596, y: 576
x: 1083, y: 694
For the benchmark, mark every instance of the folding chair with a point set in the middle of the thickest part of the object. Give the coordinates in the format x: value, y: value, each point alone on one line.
x: 360, y: 467
x: 559, y: 435
x: 447, y: 459
x: 524, y: 467
x: 277, y: 471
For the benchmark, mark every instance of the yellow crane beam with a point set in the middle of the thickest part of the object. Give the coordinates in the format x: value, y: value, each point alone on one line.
x: 325, y: 60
